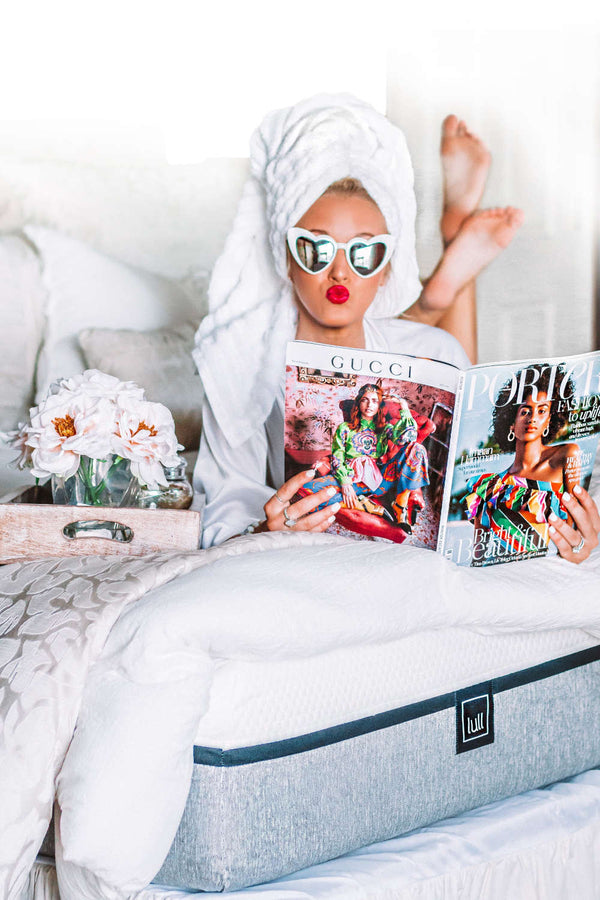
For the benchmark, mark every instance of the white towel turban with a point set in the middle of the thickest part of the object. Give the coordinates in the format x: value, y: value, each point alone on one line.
x: 294, y: 156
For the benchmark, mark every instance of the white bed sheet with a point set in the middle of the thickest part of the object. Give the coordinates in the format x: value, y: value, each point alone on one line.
x: 540, y: 845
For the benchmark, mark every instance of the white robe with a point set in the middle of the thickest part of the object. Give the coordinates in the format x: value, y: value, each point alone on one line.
x: 237, y: 481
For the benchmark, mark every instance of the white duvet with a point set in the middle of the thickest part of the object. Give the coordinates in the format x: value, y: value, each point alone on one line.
x: 128, y: 649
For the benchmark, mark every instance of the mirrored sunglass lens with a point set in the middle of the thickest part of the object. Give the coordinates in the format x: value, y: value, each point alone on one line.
x: 314, y: 255
x: 367, y: 258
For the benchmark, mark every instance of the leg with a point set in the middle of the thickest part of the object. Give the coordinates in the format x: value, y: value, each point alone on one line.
x: 465, y: 165
x: 406, y: 472
x: 311, y: 487
x: 461, y: 320
x: 400, y: 510
x: 480, y: 240
x: 449, y: 299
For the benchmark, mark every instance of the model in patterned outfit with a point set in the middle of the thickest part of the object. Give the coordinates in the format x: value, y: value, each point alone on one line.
x: 371, y: 458
x: 513, y: 511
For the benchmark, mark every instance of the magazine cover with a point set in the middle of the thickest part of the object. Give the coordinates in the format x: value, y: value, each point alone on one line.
x: 376, y: 426
x: 527, y: 432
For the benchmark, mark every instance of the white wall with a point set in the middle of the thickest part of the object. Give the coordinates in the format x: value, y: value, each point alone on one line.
x: 134, y: 86
x: 534, y: 98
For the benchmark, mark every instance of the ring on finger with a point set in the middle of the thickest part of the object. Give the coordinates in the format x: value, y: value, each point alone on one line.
x: 281, y: 500
x: 579, y: 546
x: 288, y: 520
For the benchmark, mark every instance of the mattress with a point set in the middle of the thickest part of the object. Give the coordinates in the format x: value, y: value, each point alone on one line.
x: 301, y: 760
x: 543, y: 843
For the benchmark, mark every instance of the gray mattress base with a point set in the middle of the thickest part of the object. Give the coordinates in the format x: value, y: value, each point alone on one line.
x: 258, y: 813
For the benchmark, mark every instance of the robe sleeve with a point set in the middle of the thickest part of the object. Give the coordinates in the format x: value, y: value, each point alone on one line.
x: 232, y: 480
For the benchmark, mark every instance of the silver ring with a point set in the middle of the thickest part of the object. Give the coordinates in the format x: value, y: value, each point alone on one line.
x: 579, y: 546
x: 287, y: 520
x: 281, y: 500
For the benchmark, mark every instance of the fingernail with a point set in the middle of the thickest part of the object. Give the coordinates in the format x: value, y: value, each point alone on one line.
x: 331, y: 519
x: 552, y: 517
x: 577, y: 489
x: 335, y: 507
x: 566, y: 497
x: 552, y: 529
x: 310, y: 473
x: 331, y: 491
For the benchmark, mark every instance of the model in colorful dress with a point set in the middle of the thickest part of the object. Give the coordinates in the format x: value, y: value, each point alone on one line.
x: 516, y: 510
x: 371, y: 458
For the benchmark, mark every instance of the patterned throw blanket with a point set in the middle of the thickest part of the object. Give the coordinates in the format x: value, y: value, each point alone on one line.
x: 126, y: 649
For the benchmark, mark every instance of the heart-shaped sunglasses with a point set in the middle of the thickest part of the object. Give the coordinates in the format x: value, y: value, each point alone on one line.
x: 315, y: 252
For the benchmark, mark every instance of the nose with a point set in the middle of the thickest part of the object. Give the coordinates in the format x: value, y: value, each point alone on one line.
x: 339, y: 269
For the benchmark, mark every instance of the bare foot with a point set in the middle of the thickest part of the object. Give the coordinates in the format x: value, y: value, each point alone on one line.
x: 481, y: 239
x: 465, y: 164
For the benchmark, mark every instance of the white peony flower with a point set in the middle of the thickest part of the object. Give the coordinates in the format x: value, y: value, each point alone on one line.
x: 145, y: 434
x: 19, y: 439
x: 96, y: 415
x: 67, y: 426
x: 94, y: 383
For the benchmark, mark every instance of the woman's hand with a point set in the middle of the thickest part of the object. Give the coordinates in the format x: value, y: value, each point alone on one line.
x: 299, y: 516
x: 349, y: 496
x: 576, y: 545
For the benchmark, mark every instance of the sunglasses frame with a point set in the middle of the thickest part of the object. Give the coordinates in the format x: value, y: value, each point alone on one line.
x: 386, y: 239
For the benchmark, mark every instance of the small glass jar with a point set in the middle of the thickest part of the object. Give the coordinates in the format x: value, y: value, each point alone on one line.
x: 176, y: 495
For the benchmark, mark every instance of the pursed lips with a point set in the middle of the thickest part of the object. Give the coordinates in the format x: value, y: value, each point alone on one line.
x: 337, y: 293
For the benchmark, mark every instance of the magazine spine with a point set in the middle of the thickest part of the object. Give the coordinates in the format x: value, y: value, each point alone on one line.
x: 449, y: 477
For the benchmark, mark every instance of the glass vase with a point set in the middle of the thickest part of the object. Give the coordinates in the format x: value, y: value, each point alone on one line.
x: 97, y: 482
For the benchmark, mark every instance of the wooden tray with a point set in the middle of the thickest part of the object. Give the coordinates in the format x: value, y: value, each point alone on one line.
x: 32, y: 528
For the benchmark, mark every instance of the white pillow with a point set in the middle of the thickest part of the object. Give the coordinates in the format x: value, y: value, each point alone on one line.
x: 159, y: 361
x: 21, y: 322
x: 86, y: 289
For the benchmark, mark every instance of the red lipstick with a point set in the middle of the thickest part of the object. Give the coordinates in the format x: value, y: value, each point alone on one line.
x: 337, y: 293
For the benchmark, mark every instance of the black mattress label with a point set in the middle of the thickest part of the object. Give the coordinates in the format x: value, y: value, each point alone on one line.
x: 474, y: 717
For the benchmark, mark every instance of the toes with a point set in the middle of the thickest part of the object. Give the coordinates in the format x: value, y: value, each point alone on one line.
x: 461, y: 128
x: 449, y: 126
x: 515, y: 216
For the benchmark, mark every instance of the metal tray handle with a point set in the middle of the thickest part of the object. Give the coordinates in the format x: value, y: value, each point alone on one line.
x: 97, y: 528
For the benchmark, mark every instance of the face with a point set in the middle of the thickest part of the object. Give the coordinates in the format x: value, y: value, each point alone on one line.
x: 533, y: 417
x: 342, y: 217
x: 368, y: 405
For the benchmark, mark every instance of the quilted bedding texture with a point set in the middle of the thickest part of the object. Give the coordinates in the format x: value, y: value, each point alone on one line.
x: 128, y: 649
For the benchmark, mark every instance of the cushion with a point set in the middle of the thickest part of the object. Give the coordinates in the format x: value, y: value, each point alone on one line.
x: 21, y: 315
x: 160, y: 361
x: 86, y: 289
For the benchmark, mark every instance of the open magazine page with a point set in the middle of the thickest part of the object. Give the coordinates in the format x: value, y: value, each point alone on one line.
x: 376, y: 426
x: 528, y: 432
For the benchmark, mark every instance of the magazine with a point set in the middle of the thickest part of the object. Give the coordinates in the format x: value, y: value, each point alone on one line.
x: 469, y: 463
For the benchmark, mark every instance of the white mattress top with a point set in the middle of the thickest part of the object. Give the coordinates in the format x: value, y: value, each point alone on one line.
x: 254, y: 702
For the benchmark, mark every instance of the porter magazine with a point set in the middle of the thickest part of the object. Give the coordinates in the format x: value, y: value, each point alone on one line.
x: 469, y: 463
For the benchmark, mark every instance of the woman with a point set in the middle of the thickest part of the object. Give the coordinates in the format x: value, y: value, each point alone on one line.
x: 403, y: 463
x: 355, y: 449
x: 261, y: 296
x: 516, y: 511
